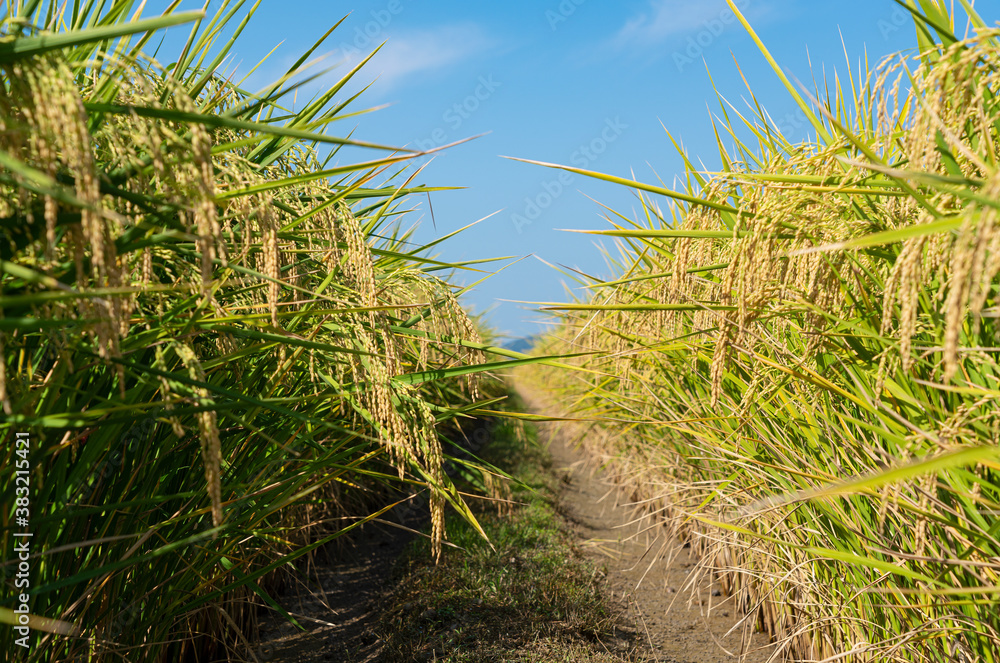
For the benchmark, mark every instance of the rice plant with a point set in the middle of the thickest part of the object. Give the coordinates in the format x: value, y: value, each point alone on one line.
x: 797, y: 361
x: 216, y: 335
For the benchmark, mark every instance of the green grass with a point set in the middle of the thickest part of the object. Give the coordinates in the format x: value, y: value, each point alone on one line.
x: 527, y: 595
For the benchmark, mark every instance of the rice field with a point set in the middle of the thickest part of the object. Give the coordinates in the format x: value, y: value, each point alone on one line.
x: 796, y: 362
x: 220, y: 351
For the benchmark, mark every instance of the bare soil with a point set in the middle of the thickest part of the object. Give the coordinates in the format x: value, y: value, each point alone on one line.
x: 685, y: 621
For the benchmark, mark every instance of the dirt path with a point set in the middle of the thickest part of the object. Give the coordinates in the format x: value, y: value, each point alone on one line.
x: 681, y: 623
x: 648, y: 573
x: 684, y: 621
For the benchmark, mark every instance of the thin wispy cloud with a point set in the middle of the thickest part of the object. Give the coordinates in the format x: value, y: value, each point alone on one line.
x: 406, y: 56
x: 671, y: 19
x: 411, y: 54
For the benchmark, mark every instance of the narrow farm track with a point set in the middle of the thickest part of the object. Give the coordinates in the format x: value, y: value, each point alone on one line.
x: 651, y: 574
x: 679, y: 623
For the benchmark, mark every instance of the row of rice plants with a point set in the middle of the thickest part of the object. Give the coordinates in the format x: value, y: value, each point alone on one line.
x: 796, y: 362
x: 215, y: 334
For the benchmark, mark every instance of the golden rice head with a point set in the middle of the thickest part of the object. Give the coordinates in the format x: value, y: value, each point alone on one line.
x: 59, y: 137
x: 146, y: 275
x: 437, y: 505
x: 904, y: 284
x: 271, y: 256
x: 196, y: 174
x: 211, y: 445
x: 327, y: 221
x: 413, y: 288
x: 769, y: 272
x: 359, y: 270
x: 181, y: 156
x: 957, y: 92
x: 166, y: 392
x: 989, y: 238
x: 719, y: 360
x: 404, y: 421
x: 359, y: 266
x: 369, y: 371
x: 977, y: 240
x: 677, y: 286
x: 750, y: 396
x: 42, y: 94
x: 755, y: 279
x: 433, y: 462
x: 466, y: 330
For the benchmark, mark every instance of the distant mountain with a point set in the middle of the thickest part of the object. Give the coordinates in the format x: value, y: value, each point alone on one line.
x: 522, y: 344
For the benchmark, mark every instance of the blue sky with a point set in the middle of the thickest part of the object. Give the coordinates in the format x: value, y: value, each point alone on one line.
x: 591, y: 83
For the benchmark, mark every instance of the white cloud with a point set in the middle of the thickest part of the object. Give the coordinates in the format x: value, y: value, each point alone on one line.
x: 672, y: 18
x: 407, y: 54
